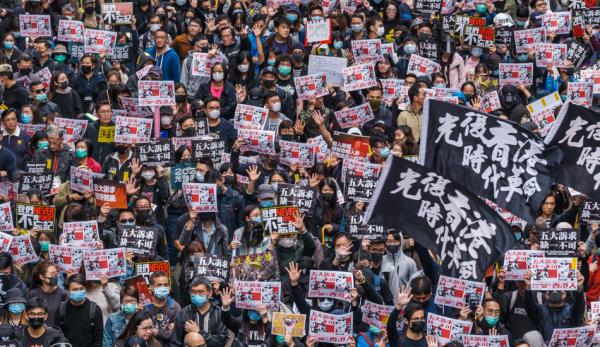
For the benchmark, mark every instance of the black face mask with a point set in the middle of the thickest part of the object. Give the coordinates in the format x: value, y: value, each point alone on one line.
x: 376, y: 257
x: 143, y: 2
x: 88, y: 10
x: 121, y: 149
x: 36, y: 322
x: 392, y: 249
x: 24, y: 72
x: 189, y: 131
x: 180, y: 99
x: 86, y: 69
x: 206, y: 216
x: 417, y: 327
x: 253, y: 234
x: 143, y: 217
x: 328, y: 197
x: 286, y: 137
x: 268, y: 83
x: 53, y: 281
x: 229, y: 180
x: 63, y: 85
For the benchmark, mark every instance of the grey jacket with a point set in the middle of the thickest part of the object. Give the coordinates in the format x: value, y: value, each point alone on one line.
x: 397, y: 268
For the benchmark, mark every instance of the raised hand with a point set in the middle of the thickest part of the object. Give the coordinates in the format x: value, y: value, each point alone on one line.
x: 403, y: 297
x: 253, y: 173
x: 293, y: 273
x: 136, y: 166
x: 299, y: 221
x: 227, y: 297
x: 130, y: 187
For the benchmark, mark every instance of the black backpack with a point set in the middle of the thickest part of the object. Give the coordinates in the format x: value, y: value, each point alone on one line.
x: 63, y: 309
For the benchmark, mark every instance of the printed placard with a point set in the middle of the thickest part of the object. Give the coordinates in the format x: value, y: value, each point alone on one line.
x: 347, y: 146
x: 544, y: 120
x: 111, y: 193
x: 255, y: 267
x: 294, y: 195
x: 360, y: 179
x: 99, y: 41
x: 526, y: 39
x: 40, y: 217
x: 355, y: 116
x: 210, y: 146
x: 147, y: 268
x: 550, y: 53
x: 213, y: 267
x: 288, y: 324
x: 516, y: 263
x: 279, y: 219
x: 260, y: 141
x: 311, y: 86
x: 391, y: 89
x: 107, y: 262
x: 106, y: 134
x: 447, y: 329
x: 454, y: 292
x: 559, y: 242
x: 516, y: 74
x: 460, y: 22
x: 132, y: 130
x: 557, y: 22
x: 331, y: 284
x: 133, y: 108
x: 358, y: 77
x: 156, y: 93
x: 318, y: 31
x: 139, y: 239
x: 22, y: 250
x: 428, y: 48
x: 575, y: 52
x: 478, y: 36
x: 490, y: 102
x: 35, y: 25
x: 81, y: 180
x: 200, y: 197
x: 553, y: 274
x: 296, y: 153
x: 45, y: 76
x: 590, y: 213
x: 73, y: 129
x: 250, y: 117
x: 580, y: 93
x: 182, y: 173
x: 358, y: 230
x: 428, y: 6
x: 485, y: 340
x: 119, y: 13
x: 156, y: 153
x: 375, y: 314
x: 591, y: 75
x: 330, y: 328
x: 251, y: 295
x: 6, y: 219
x: 422, y: 66
x: 201, y: 65
x: 70, y: 30
x: 365, y: 51
x: 595, y: 310
x: 35, y: 181
x: 121, y: 52
x: 320, y: 148
x: 573, y: 337
x: 332, y: 67
x: 79, y: 232
x: 68, y: 257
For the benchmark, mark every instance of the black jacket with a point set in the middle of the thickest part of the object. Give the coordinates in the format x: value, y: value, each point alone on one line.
x: 57, y: 162
x: 216, y: 333
x: 228, y: 98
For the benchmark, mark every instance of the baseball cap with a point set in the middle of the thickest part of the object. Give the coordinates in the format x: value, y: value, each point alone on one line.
x: 266, y: 191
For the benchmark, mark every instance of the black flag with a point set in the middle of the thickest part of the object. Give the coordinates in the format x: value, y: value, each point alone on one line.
x: 440, y: 215
x: 493, y: 158
x: 576, y: 132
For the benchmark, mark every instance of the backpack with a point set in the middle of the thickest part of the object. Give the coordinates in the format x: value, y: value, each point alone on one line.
x: 63, y: 309
x: 368, y: 340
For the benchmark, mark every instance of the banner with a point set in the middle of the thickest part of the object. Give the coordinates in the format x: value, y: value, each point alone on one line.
x: 318, y: 31
x: 35, y: 181
x: 359, y: 179
x: 70, y: 31
x: 210, y: 146
x: 111, y: 193
x: 139, y: 239
x: 491, y: 157
x: 576, y: 133
x: 21, y: 249
x: 296, y: 153
x: 358, y: 77
x: 79, y: 232
x: 573, y: 337
x: 156, y: 93
x: 375, y: 314
x: 182, y: 173
x: 251, y: 295
x: 347, y: 146
x: 559, y: 242
x: 526, y: 39
x: 99, y: 41
x: 358, y: 229
x: 250, y: 117
x: 255, y: 267
x: 447, y: 329
x: 35, y: 25
x: 331, y: 284
x: 132, y: 130
x: 454, y: 292
x: 260, y: 141
x: 422, y: 66
x: 288, y: 324
x: 119, y: 13
x: 311, y: 86
x: 279, y: 219
x: 516, y: 74
x: 38, y: 217
x: 330, y: 328
x: 81, y: 180
x: 200, y: 197
x: 213, y: 267
x: 366, y: 51
x: 553, y: 274
x: 516, y: 263
x: 355, y: 116
x: 156, y: 153
x: 332, y: 67
x: 440, y: 215
x: 110, y: 262
x: 485, y: 340
x: 294, y: 195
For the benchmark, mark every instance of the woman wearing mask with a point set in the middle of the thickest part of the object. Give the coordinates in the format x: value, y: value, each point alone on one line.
x: 83, y: 148
x: 438, y: 80
x: 115, y: 87
x: 45, y: 286
x: 63, y: 96
x: 484, y: 80
x: 219, y: 88
x: 181, y: 99
x: 30, y: 115
x: 141, y: 326
x: 338, y: 45
x: 357, y: 27
x: 89, y: 18
x: 375, y: 27
x: 88, y: 83
x: 187, y: 266
x: 155, y: 187
x: 245, y: 75
x: 328, y: 215
x: 414, y: 316
x: 250, y: 239
x: 384, y: 68
x: 14, y: 307
x: 391, y: 20
x: 252, y: 329
x: 10, y: 53
x: 116, y: 323
x: 292, y: 13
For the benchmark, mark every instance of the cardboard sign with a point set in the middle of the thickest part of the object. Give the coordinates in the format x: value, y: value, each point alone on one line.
x: 526, y: 39
x: 296, y: 153
x: 99, y: 41
x: 35, y: 181
x: 111, y: 193
x: 79, y: 232
x: 516, y: 263
x: 591, y: 76
x: 156, y: 153
x: 74, y: 129
x: 156, y: 93
x: 132, y: 130
x: 200, y: 197
x: 553, y: 274
x: 318, y: 31
x: 559, y: 242
x: 516, y: 74
x: 133, y: 107
x: 279, y: 219
x: 391, y: 89
x: 355, y: 116
x: 366, y: 51
x: 454, y: 292
x: 331, y: 284
x: 332, y: 67
x: 35, y: 25
x: 347, y: 146
x: 6, y: 219
x: 288, y: 324
x: 70, y: 30
x: 330, y: 328
x: 490, y: 102
x: 107, y: 262
x: 81, y: 180
x: 311, y: 86
x: 375, y: 314
x: 251, y: 295
x: 119, y: 13
x: 422, y: 66
x: 550, y: 53
x: 39, y: 217
x: 212, y: 267
x: 447, y: 329
x: 259, y: 141
x: 250, y: 117
x: 139, y: 239
x: 21, y: 249
x: 255, y: 267
x: 320, y: 148
x: 358, y: 77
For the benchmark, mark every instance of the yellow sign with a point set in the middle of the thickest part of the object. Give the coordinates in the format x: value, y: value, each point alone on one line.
x: 106, y: 134
x: 288, y: 323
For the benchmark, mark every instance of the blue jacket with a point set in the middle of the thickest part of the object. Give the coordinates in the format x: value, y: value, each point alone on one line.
x: 168, y: 63
x: 7, y: 161
x: 115, y: 324
x: 231, y: 205
x: 19, y: 145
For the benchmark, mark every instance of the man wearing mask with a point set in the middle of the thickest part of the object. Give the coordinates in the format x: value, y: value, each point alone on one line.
x: 379, y: 109
x: 268, y: 77
x: 25, y: 67
x: 37, y: 332
x: 231, y: 205
x: 380, y: 147
x: 121, y: 166
x: 413, y: 115
x: 166, y: 58
x: 272, y: 102
x: 58, y: 157
x: 217, y: 124
x: 14, y: 94
x: 510, y: 99
x: 41, y: 56
x: 39, y: 96
x: 201, y: 316
x: 491, y: 319
x: 163, y: 308
x: 396, y: 267
x: 78, y: 309
x: 167, y: 130
x: 144, y: 217
x: 101, y: 129
x: 204, y: 226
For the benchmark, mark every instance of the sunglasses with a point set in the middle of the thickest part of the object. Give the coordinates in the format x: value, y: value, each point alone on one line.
x: 123, y: 221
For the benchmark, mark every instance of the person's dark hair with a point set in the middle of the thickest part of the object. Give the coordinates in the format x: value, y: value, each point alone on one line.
x: 410, y: 138
x: 135, y: 341
x: 522, y: 12
x: 42, y: 40
x: 157, y: 274
x: 485, y: 301
x: 374, y: 89
x: 129, y: 291
x: 133, y: 324
x: 91, y: 57
x: 206, y: 161
x: 225, y: 28
x: 247, y: 210
x: 269, y: 94
x: 521, y: 343
x: 39, y: 270
x: 420, y: 285
x: 413, y: 91
x: 199, y: 280
x: 75, y: 278
x: 75, y: 212
x: 285, y: 124
x: 280, y: 20
x: 88, y: 145
x: 211, y: 99
x: 9, y: 111
x: 283, y: 58
x: 361, y: 255
x: 410, y: 310
x: 377, y: 138
x: 25, y: 58
x: 6, y: 260
x: 371, y: 21
x: 8, y: 74
x: 36, y: 302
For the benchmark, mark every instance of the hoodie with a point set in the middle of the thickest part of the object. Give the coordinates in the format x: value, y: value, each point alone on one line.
x: 397, y: 268
x: 168, y: 63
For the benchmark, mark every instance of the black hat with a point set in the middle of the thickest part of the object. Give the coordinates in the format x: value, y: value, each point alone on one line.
x: 255, y: 96
x: 14, y: 295
x: 268, y: 69
x: 166, y: 111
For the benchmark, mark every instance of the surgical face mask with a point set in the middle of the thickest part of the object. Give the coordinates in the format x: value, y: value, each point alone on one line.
x: 439, y: 85
x: 276, y: 107
x: 166, y: 120
x: 53, y: 281
x: 44, y: 246
x: 374, y: 330
x: 338, y: 44
x: 492, y: 321
x: 256, y: 219
x: 392, y: 249
x: 357, y: 28
x: 522, y: 57
x: 287, y: 242
x: 198, y: 300
x: 385, y: 152
x: 200, y: 176
x: 60, y: 58
x: 86, y: 69
x: 128, y: 224
x: 417, y: 326
x: 380, y: 31
x: 563, y: 98
x: 243, y: 68
x: 481, y: 8
x: 214, y: 114
x: 476, y: 51
x: 26, y: 118
x: 24, y: 72
x: 77, y: 295
x: 518, y: 236
x: 253, y: 315
x: 271, y: 62
x: 81, y: 153
x: 129, y: 308
x: 9, y: 45
x: 42, y: 144
x: 410, y: 48
x: 280, y: 340
x: 267, y: 203
x: 147, y: 174
x: 520, y: 23
x: 36, y: 322
x: 17, y: 307
x: 154, y: 27
x: 218, y: 76
x: 268, y: 83
x: 41, y: 98
x: 161, y: 292
x: 325, y: 304
x: 292, y: 17
x: 376, y: 257
x: 284, y: 70
x: 180, y: 2
x: 317, y: 18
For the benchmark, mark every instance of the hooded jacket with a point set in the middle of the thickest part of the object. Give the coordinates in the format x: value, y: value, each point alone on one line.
x: 397, y: 268
x: 168, y: 63
x: 211, y: 326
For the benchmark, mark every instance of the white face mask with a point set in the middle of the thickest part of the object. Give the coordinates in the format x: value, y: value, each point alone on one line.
x: 154, y: 27
x: 380, y: 31
x: 214, y: 114
x: 166, y: 120
x: 276, y: 107
x: 147, y: 174
x: 244, y: 68
x: 218, y: 76
x: 288, y: 242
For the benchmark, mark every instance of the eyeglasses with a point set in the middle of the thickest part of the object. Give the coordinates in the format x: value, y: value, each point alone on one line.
x: 39, y: 91
x: 36, y: 314
x: 123, y: 221
x: 198, y: 292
